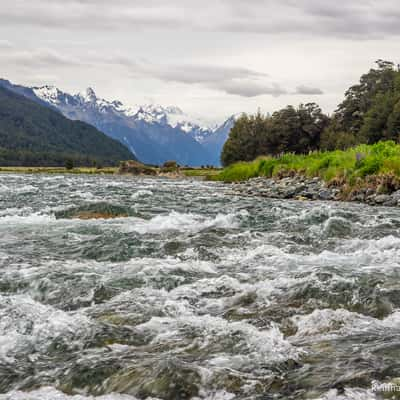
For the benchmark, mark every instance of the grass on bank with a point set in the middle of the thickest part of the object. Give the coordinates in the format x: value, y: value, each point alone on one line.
x: 358, y: 162
x: 188, y: 172
x: 200, y: 172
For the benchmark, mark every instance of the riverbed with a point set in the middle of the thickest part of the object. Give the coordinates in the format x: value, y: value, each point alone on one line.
x: 195, y: 293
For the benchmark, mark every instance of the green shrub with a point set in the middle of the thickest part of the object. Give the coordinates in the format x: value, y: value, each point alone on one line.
x: 370, y: 166
x: 69, y: 164
x: 266, y: 167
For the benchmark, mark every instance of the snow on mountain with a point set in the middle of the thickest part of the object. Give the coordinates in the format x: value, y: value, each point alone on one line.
x: 154, y: 133
x: 89, y: 96
x: 149, y: 113
x: 194, y: 126
x: 48, y: 93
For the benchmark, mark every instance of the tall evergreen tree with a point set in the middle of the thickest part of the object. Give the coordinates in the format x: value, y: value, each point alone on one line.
x: 291, y: 129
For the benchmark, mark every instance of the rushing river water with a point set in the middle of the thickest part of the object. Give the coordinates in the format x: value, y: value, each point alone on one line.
x: 197, y: 294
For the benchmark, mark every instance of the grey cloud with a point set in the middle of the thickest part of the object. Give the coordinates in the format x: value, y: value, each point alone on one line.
x: 250, y: 89
x: 49, y: 57
x: 200, y: 73
x: 91, y: 15
x: 302, y: 89
x: 335, y: 10
x: 5, y: 44
x: 238, y: 81
x: 354, y: 19
x: 226, y: 78
x: 38, y: 58
x: 232, y: 80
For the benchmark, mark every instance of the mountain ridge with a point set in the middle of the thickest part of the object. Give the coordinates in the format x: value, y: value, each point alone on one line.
x: 153, y: 133
x: 32, y: 134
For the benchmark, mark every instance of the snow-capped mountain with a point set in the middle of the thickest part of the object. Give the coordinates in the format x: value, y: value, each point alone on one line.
x: 149, y: 113
x: 153, y: 133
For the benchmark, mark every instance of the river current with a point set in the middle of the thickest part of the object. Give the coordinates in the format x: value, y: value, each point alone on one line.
x: 198, y: 293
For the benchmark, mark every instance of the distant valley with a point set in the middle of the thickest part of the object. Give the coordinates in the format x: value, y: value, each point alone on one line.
x: 152, y: 133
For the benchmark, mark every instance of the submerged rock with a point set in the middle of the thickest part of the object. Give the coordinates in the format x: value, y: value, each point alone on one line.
x: 94, y: 211
x: 169, y: 379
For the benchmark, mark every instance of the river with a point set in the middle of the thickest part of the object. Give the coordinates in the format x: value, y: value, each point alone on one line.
x: 197, y: 294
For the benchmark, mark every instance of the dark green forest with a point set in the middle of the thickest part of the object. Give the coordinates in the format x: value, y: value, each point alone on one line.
x: 34, y: 135
x: 370, y: 112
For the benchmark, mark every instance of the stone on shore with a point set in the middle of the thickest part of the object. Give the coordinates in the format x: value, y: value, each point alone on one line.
x: 302, y: 188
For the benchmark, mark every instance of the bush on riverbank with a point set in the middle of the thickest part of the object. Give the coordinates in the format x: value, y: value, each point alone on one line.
x: 349, y: 166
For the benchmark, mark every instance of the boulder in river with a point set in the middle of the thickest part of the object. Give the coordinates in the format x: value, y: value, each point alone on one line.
x: 94, y: 211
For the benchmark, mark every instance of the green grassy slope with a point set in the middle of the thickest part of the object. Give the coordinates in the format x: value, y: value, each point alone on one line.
x: 348, y: 165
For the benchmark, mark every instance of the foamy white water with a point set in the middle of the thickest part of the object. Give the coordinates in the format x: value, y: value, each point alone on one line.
x: 192, y: 293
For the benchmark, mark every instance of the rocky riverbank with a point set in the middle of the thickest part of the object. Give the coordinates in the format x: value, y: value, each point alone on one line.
x: 303, y: 188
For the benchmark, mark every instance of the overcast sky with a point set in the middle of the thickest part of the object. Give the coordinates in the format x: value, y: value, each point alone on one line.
x: 211, y: 58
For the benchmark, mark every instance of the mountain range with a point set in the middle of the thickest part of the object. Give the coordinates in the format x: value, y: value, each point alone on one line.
x: 154, y: 134
x: 32, y: 134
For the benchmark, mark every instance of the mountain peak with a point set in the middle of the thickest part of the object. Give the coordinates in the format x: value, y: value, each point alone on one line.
x: 90, y: 92
x: 47, y: 93
x: 90, y: 95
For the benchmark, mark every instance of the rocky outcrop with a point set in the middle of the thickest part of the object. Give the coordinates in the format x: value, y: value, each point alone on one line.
x: 168, y: 170
x: 136, y: 168
x: 302, y: 188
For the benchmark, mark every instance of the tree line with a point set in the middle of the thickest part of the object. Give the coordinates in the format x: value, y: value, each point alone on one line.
x: 370, y: 112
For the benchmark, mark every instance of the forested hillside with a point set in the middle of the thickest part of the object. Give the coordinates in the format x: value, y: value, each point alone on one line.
x: 31, y: 134
x: 369, y: 113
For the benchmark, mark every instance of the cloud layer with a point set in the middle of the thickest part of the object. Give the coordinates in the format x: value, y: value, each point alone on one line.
x: 231, y: 80
x: 216, y: 56
x: 352, y: 19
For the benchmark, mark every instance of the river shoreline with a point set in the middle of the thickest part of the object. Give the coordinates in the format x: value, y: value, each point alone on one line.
x: 295, y: 187
x: 303, y: 188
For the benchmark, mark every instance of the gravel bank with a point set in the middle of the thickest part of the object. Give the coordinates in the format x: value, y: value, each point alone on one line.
x: 302, y: 188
